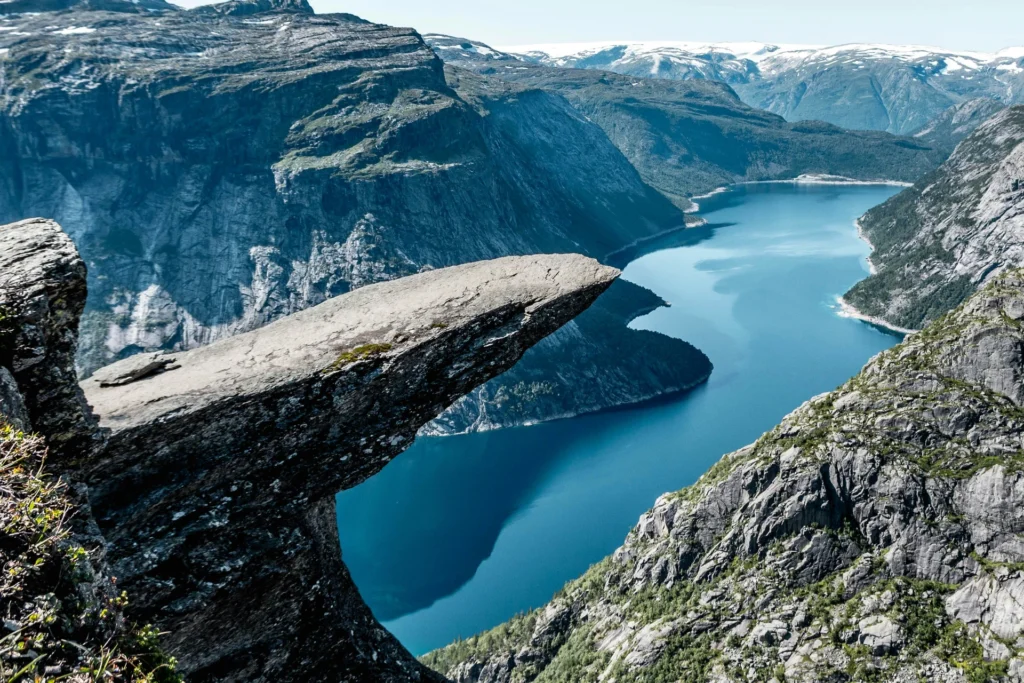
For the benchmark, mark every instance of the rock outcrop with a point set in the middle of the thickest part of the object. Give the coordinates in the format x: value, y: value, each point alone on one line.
x: 954, y: 230
x: 956, y: 123
x: 220, y: 168
x: 876, y: 534
x: 42, y: 294
x: 207, y: 487
x: 215, y: 490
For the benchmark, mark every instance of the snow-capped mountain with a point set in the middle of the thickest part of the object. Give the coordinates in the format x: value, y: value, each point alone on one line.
x: 898, y: 88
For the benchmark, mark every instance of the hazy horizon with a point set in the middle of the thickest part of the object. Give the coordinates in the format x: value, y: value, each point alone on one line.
x: 948, y: 25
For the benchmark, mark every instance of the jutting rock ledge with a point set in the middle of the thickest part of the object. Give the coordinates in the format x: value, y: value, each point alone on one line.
x: 211, y: 475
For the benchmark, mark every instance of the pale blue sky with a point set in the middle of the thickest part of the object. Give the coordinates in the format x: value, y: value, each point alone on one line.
x: 985, y: 25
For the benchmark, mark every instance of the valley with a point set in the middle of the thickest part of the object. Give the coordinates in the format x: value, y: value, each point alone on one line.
x: 755, y: 289
x: 253, y: 251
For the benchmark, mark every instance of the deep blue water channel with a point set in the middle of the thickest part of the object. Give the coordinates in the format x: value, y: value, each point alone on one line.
x: 460, y: 533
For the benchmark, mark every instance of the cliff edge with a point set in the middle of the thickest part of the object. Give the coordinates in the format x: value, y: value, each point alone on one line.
x: 207, y: 487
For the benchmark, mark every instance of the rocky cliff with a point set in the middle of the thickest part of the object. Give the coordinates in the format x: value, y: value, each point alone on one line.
x: 62, y: 611
x: 876, y: 534
x: 954, y: 230
x: 207, y: 488
x: 689, y: 137
x: 223, y: 167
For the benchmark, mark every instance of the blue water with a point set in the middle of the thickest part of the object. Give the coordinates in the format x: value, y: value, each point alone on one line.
x: 458, y: 534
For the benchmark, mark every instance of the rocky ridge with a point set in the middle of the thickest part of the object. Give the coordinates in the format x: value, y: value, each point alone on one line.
x: 955, y: 229
x: 207, y: 486
x: 875, y: 534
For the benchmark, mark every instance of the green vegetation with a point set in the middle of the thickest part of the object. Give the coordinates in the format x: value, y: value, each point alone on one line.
x: 957, y: 646
x: 63, y: 619
x: 507, y: 637
x: 363, y: 352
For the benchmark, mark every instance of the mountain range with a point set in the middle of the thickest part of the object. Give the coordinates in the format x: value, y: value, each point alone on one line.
x: 894, y: 88
x: 690, y: 137
x: 276, y: 213
x: 222, y: 167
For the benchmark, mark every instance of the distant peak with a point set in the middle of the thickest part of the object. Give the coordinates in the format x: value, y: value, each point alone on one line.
x: 238, y: 8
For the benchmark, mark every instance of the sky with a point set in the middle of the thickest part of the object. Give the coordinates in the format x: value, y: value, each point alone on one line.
x: 983, y: 25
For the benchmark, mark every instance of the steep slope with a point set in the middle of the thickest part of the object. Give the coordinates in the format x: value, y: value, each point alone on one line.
x: 223, y: 167
x: 206, y: 491
x: 956, y: 123
x: 876, y: 534
x: 895, y: 88
x: 689, y: 137
x: 958, y: 227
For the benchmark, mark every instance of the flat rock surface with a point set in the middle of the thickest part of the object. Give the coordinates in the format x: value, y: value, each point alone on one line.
x: 215, y: 487
x: 386, y: 317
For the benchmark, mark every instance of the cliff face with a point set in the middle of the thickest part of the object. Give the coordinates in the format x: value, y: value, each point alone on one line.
x: 63, y: 614
x: 208, y: 487
x: 689, y: 137
x: 634, y: 364
x: 221, y: 168
x: 42, y: 294
x: 876, y: 534
x: 954, y: 230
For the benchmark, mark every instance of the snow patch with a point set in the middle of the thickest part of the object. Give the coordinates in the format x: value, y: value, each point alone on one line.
x: 74, y: 31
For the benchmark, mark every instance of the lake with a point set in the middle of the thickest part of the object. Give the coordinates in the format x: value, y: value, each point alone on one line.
x: 460, y: 533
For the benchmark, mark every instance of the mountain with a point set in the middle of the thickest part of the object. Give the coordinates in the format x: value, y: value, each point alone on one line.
x: 689, y: 137
x: 894, y: 88
x: 953, y: 125
x: 222, y: 167
x: 876, y: 534
x: 951, y: 232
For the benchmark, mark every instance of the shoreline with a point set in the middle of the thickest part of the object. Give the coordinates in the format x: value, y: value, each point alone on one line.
x: 806, y: 179
x: 872, y: 269
x: 848, y: 310
x: 823, y: 179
